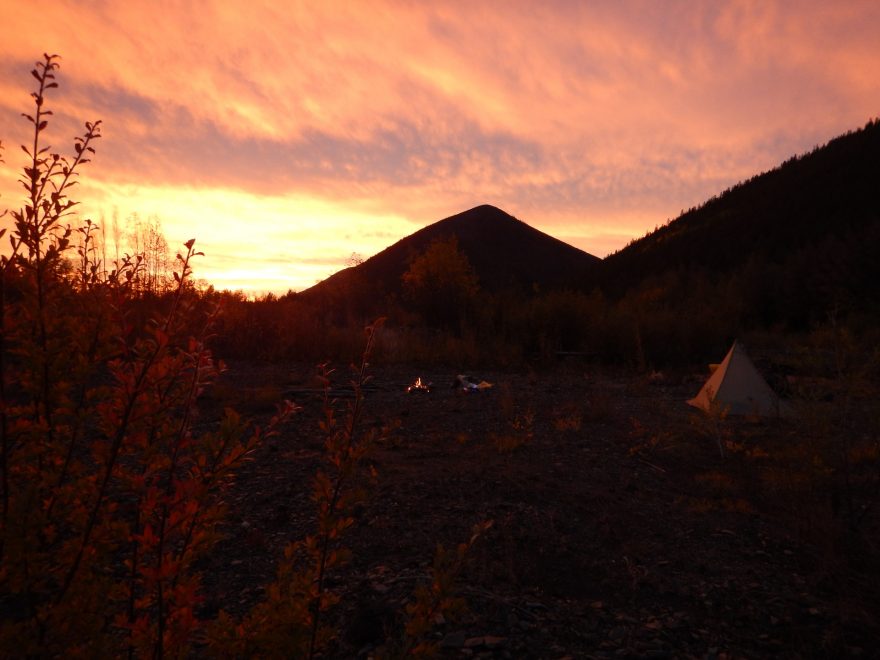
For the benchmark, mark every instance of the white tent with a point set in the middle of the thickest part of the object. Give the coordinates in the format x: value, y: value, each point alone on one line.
x: 738, y: 388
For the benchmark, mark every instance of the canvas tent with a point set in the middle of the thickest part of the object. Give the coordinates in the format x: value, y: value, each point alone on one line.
x: 737, y: 387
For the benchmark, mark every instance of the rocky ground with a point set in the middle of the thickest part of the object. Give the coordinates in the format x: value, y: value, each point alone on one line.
x: 619, y: 529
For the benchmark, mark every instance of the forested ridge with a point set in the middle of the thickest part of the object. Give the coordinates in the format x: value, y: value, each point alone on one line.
x: 794, y: 243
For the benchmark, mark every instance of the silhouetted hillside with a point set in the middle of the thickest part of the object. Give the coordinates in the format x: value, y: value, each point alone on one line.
x: 796, y: 240
x: 786, y: 249
x: 504, y: 252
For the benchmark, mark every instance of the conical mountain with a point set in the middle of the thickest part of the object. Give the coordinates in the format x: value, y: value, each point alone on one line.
x: 504, y: 252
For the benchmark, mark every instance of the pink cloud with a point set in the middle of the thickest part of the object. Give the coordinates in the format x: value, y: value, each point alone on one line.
x: 599, y: 119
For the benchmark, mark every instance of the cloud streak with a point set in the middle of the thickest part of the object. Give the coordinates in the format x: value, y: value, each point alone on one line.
x: 591, y: 121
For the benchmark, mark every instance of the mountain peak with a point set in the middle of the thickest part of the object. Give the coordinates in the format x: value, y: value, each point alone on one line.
x: 484, y: 209
x: 481, y: 213
x: 504, y: 252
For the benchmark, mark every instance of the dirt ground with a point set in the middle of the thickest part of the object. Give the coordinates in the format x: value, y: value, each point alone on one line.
x: 619, y: 529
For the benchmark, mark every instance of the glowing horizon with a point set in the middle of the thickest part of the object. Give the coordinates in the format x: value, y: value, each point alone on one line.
x: 284, y: 138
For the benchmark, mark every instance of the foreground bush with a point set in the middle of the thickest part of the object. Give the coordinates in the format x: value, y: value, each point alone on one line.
x: 109, y: 493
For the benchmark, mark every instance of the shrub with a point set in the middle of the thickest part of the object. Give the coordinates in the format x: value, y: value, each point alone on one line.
x: 108, y: 494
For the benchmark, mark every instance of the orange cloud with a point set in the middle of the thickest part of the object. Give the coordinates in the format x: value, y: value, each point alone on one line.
x: 594, y: 120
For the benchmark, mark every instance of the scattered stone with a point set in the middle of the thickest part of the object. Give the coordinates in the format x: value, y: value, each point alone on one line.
x: 491, y: 642
x: 454, y: 640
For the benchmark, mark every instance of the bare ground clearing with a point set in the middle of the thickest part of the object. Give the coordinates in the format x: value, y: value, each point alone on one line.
x: 619, y: 529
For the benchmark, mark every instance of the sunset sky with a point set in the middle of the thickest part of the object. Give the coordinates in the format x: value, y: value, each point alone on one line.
x: 285, y: 136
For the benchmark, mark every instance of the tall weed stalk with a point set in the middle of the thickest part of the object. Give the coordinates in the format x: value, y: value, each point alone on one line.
x: 293, y: 620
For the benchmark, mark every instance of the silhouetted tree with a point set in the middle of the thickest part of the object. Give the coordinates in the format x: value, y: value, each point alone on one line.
x: 441, y: 284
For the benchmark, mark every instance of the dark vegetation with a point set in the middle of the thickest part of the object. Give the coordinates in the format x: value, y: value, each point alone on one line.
x: 579, y: 507
x: 791, y: 245
x: 782, y: 253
